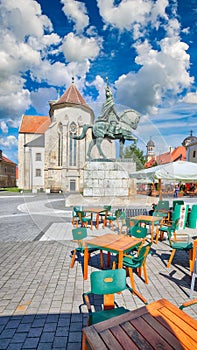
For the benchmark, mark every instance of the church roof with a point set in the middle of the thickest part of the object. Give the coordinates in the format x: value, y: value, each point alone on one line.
x: 5, y: 159
x: 189, y: 139
x: 72, y: 95
x: 38, y: 142
x: 150, y: 143
x: 34, y: 124
x: 168, y: 157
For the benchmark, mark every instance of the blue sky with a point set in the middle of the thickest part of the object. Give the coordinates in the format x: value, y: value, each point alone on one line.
x: 147, y: 48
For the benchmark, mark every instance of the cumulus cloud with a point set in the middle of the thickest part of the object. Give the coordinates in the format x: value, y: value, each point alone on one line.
x: 4, y: 127
x: 78, y: 49
x: 29, y: 49
x: 163, y: 72
x: 129, y: 13
x: 124, y: 15
x: 23, y: 17
x: 21, y: 25
x: 8, y: 141
x: 77, y: 13
x: 191, y: 97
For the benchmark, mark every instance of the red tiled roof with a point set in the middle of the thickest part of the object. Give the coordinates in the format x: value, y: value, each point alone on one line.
x: 34, y: 124
x: 168, y: 157
x: 177, y: 153
x: 7, y: 160
x: 150, y: 163
x: 72, y: 95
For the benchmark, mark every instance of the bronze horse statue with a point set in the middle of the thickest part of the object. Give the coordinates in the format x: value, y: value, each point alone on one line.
x: 120, y: 130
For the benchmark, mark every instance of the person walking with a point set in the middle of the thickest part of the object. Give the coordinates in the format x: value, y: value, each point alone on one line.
x: 176, y: 191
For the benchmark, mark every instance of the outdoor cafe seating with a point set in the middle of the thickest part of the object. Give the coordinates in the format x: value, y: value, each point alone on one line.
x: 158, y: 325
x: 79, y: 234
x: 106, y: 283
x: 137, y: 262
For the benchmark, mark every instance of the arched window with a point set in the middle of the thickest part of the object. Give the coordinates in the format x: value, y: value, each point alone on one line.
x: 73, y: 146
x: 60, y: 144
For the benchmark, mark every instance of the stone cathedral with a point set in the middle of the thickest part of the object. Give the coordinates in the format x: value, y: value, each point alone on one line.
x: 48, y: 158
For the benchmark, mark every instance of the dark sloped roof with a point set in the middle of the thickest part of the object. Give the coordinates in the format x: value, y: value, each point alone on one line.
x: 189, y: 139
x: 38, y: 142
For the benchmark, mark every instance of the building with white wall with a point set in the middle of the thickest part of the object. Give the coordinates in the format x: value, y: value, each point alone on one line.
x: 48, y: 157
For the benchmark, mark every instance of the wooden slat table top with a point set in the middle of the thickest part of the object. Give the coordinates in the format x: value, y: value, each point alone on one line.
x: 114, y: 241
x: 159, y: 325
x: 147, y: 218
x: 95, y: 210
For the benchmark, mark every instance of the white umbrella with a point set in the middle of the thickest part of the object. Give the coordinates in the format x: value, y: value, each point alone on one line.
x: 178, y: 171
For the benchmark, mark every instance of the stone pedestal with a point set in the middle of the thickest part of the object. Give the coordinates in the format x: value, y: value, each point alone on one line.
x: 108, y: 179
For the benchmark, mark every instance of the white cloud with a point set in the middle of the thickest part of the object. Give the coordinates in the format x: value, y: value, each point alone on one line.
x: 76, y: 12
x: 25, y: 40
x: 14, y: 103
x: 23, y: 17
x: 4, y: 127
x: 164, y: 72
x: 191, y: 97
x: 133, y: 14
x: 45, y: 45
x: 124, y: 15
x: 78, y: 49
x: 8, y: 141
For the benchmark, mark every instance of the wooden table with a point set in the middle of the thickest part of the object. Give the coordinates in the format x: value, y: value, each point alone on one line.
x: 111, y: 242
x: 96, y: 211
x: 151, y: 220
x: 159, y: 325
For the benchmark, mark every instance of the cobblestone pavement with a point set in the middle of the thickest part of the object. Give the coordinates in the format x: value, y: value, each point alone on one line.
x: 41, y: 304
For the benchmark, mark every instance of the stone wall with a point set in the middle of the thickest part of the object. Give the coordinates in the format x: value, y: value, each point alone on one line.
x: 108, y: 179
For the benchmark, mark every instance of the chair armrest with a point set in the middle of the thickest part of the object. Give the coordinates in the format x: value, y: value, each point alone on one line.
x: 181, y: 237
x: 188, y: 303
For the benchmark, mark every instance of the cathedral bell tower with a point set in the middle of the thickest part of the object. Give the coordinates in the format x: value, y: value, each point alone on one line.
x: 150, y: 150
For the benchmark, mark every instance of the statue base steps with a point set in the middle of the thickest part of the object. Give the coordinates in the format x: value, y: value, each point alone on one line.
x: 134, y: 201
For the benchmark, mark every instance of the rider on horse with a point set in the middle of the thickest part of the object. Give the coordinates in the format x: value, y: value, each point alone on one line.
x: 109, y: 115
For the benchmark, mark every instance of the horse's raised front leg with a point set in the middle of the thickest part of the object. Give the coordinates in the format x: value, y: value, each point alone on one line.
x: 98, y: 144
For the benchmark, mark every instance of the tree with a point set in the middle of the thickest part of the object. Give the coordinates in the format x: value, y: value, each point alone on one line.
x: 132, y: 151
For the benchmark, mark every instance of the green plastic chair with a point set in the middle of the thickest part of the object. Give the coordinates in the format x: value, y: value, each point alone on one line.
x: 106, y: 283
x: 85, y: 219
x: 137, y: 262
x: 75, y: 217
x: 79, y: 234
x: 103, y: 215
x: 138, y: 231
x: 130, y: 223
x: 121, y: 221
x: 162, y: 207
x: 180, y: 241
x: 165, y: 227
x: 188, y: 303
x: 178, y: 201
x: 111, y: 218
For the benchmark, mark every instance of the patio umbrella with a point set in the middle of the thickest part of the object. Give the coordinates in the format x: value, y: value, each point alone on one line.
x: 175, y: 171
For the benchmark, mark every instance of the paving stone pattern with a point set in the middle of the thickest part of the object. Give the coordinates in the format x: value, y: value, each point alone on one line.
x: 41, y: 304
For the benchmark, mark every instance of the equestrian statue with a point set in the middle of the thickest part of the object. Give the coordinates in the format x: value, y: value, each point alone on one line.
x: 111, y: 126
